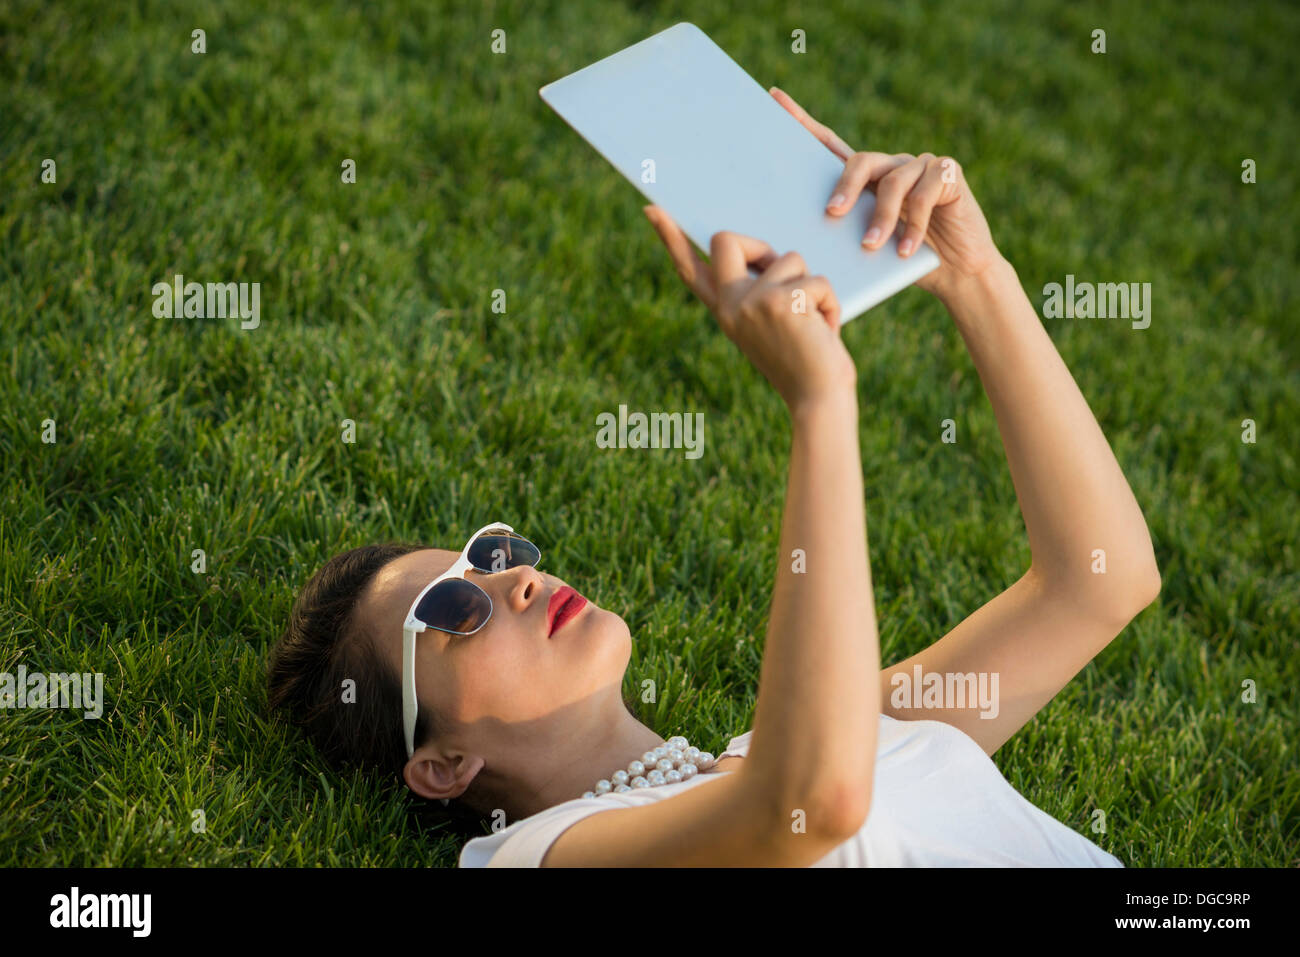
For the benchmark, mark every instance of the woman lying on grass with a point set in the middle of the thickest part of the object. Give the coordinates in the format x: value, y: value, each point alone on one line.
x: 519, y: 679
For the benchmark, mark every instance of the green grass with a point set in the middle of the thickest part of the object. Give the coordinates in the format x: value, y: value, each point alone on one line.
x: 376, y: 306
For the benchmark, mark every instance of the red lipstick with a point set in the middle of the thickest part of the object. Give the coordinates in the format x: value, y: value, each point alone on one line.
x: 565, y: 603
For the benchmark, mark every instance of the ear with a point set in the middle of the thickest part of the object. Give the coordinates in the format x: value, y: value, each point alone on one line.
x: 432, y: 774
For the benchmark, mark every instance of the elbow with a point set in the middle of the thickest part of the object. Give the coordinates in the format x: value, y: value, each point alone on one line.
x: 840, y: 809
x: 1141, y: 583
x: 1147, y: 588
x: 1137, y: 592
x: 1116, y: 597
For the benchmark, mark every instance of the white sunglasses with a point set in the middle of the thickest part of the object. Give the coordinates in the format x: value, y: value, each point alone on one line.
x: 454, y: 604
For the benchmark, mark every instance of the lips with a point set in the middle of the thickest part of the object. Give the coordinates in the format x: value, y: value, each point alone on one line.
x: 564, y: 605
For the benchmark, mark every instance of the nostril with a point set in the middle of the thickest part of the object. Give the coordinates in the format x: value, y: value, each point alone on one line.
x: 528, y: 591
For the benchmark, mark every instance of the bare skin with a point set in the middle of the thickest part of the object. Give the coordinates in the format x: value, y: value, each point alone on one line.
x: 536, y: 720
x: 533, y: 720
x: 1042, y: 630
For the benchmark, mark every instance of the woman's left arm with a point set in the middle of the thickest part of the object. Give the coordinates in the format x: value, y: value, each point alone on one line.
x: 1079, y: 511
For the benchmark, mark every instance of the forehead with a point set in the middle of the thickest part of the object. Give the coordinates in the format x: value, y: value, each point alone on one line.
x: 395, y: 586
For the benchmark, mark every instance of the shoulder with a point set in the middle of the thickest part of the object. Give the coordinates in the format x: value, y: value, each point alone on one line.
x: 525, y: 842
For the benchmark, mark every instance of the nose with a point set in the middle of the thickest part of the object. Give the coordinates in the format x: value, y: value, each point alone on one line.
x: 524, y: 587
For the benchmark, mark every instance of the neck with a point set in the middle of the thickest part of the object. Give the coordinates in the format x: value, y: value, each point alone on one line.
x: 593, y: 750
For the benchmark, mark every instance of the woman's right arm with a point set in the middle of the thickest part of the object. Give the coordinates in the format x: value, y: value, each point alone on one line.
x: 814, y: 741
x: 818, y: 710
x: 805, y: 785
x: 815, y: 723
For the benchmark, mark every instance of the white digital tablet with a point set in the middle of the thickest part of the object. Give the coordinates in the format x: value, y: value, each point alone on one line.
x: 698, y: 136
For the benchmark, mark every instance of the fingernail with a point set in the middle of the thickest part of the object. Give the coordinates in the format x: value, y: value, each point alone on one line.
x: 873, y: 234
x: 836, y: 200
x: 905, y: 247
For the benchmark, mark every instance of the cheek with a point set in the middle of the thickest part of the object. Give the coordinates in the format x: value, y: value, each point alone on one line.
x: 515, y: 676
x: 501, y: 677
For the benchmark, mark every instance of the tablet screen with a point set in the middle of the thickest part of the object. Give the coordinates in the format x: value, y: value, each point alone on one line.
x: 701, y: 138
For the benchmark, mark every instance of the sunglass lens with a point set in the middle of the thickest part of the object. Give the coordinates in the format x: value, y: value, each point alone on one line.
x: 455, y: 605
x: 497, y: 551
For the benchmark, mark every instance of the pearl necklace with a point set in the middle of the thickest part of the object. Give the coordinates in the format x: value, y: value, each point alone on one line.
x: 671, y: 762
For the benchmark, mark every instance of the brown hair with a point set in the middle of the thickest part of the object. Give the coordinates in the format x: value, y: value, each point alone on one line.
x: 322, y: 646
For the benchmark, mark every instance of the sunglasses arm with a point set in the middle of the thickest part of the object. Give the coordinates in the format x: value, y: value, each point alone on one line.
x: 408, y: 692
x: 408, y: 687
x: 409, y: 632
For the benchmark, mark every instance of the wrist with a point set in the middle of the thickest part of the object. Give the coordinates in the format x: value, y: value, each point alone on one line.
x: 973, y: 294
x: 839, y: 405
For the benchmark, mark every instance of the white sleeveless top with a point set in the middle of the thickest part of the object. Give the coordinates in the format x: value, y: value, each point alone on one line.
x: 937, y: 801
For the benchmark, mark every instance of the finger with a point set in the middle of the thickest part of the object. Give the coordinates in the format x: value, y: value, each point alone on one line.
x: 732, y: 253
x: 828, y: 136
x: 890, y: 193
x: 787, y: 267
x: 820, y: 297
x: 920, y: 204
x: 695, y: 272
x: 861, y: 170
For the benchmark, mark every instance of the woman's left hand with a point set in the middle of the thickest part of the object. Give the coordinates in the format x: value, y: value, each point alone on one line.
x: 928, y: 193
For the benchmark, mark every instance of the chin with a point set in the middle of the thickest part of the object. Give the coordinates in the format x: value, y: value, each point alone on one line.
x: 610, y: 630
x: 609, y: 624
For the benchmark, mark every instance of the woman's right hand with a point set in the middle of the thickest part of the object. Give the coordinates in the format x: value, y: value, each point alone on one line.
x: 786, y: 322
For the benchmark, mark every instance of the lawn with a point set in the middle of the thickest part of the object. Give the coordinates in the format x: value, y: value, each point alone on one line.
x: 377, y: 306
